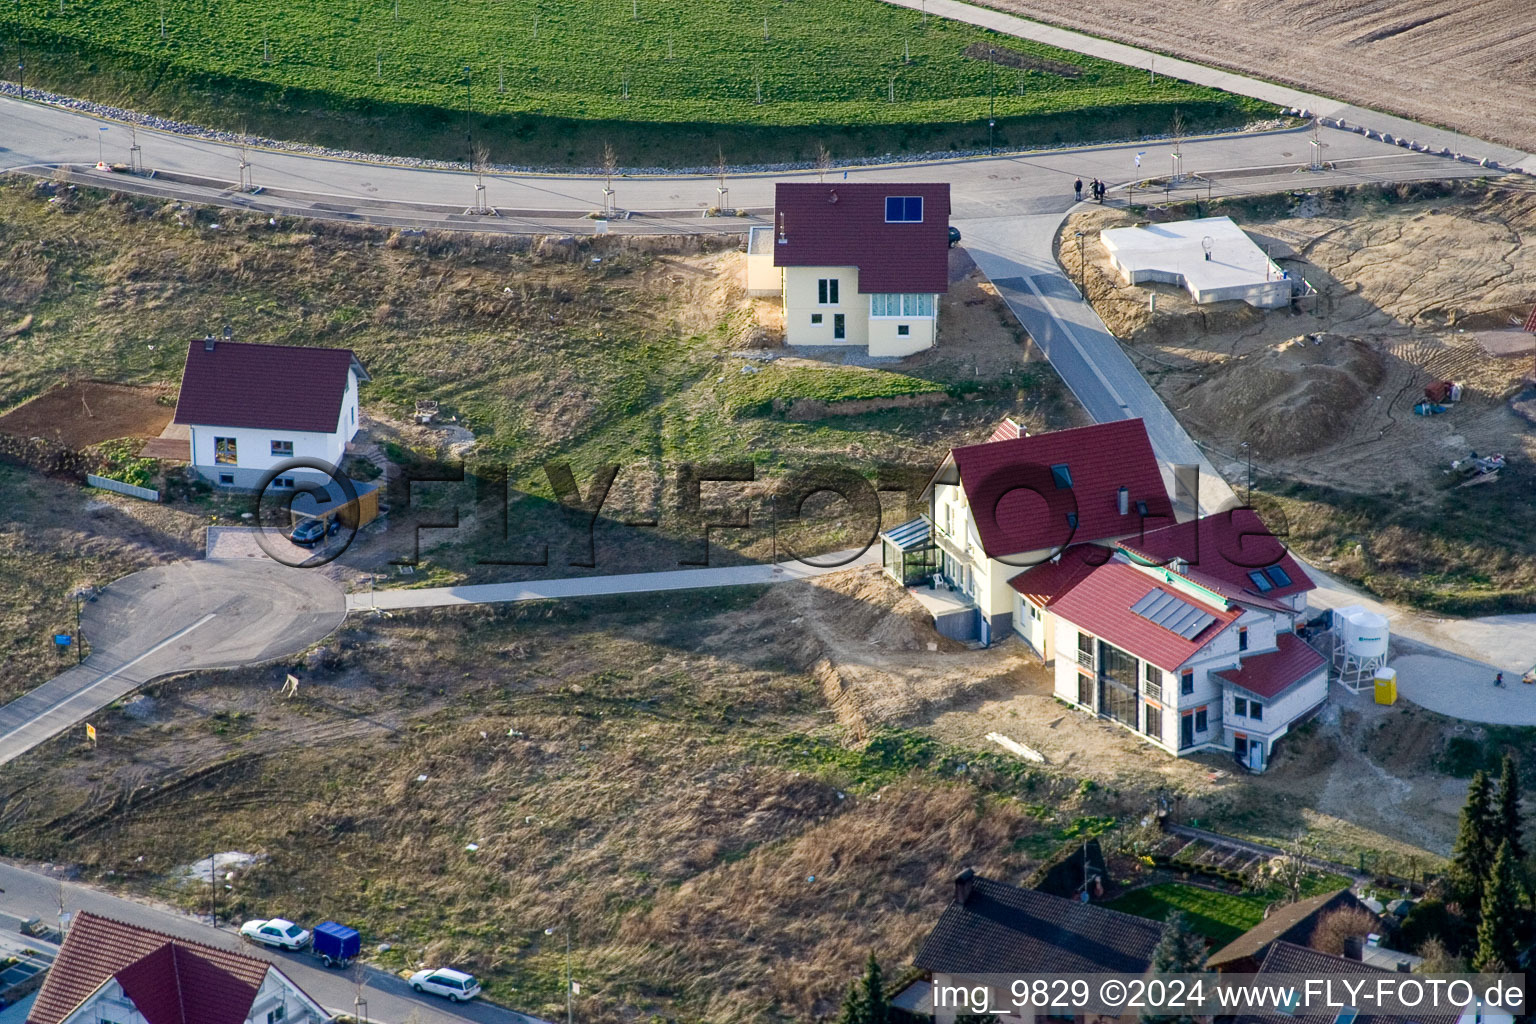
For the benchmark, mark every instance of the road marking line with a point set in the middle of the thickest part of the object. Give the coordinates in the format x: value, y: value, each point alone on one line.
x: 125, y: 666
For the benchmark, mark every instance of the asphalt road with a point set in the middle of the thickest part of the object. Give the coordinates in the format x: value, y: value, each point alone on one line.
x: 26, y: 892
x: 174, y: 618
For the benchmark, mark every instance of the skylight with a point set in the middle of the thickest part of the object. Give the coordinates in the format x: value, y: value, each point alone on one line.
x: 1261, y: 581
x: 903, y: 209
x: 1280, y: 577
x: 1062, y: 475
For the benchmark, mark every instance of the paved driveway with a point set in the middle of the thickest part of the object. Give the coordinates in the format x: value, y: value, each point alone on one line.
x: 173, y: 618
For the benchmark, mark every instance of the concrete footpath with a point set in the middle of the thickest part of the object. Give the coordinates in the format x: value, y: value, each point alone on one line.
x: 603, y: 586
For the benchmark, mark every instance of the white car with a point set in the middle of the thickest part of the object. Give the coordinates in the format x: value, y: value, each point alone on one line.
x: 456, y: 985
x: 277, y: 933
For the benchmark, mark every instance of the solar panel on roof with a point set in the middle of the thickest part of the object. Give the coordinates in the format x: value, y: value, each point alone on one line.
x: 1173, y: 614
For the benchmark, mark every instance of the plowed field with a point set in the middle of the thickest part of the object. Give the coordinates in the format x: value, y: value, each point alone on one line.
x: 1464, y: 64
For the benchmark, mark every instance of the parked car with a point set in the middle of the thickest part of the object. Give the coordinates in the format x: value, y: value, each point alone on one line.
x: 275, y: 932
x: 335, y: 944
x: 456, y: 985
x: 954, y: 237
x: 313, y: 531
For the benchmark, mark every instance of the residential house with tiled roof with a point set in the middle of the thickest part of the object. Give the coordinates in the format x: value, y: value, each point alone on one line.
x: 992, y: 929
x: 1002, y: 507
x: 250, y: 408
x: 1184, y: 635
x: 1296, y: 964
x: 856, y: 263
x: 1295, y: 923
x: 111, y: 971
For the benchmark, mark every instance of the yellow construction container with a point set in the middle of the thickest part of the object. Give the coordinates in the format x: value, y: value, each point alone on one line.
x: 1386, y: 686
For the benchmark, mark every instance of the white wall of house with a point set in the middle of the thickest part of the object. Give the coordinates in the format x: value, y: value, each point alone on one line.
x: 254, y: 454
x: 1278, y: 713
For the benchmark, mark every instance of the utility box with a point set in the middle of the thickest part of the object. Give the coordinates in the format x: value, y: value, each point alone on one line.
x: 1386, y: 685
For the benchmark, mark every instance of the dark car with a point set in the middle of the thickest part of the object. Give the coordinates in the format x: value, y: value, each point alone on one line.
x: 312, y: 531
x: 954, y: 237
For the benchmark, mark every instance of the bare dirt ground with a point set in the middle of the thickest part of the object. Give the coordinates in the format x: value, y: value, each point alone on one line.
x: 1409, y: 280
x: 1406, y: 288
x: 83, y: 413
x: 1466, y: 64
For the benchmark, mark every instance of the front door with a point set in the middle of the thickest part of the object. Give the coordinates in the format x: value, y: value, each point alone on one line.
x: 1240, y: 750
x: 1034, y: 622
x: 1186, y: 731
x: 839, y: 326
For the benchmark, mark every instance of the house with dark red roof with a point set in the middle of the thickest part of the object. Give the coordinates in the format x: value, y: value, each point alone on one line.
x: 998, y: 508
x: 856, y: 263
x: 1184, y: 635
x: 111, y: 971
x: 992, y: 931
x: 250, y: 409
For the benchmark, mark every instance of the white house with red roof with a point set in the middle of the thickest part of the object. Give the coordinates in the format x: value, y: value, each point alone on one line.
x: 1185, y: 635
x: 858, y: 263
x: 111, y: 971
x: 249, y: 408
x: 999, y: 508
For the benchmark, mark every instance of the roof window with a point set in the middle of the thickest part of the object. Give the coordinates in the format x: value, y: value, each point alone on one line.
x: 1062, y: 475
x: 903, y: 209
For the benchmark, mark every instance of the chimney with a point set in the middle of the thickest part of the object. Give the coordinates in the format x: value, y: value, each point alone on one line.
x: 1123, y: 501
x: 965, y: 881
x: 1354, y: 947
x: 208, y: 343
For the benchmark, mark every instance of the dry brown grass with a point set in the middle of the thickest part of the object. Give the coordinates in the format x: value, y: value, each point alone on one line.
x: 673, y: 798
x: 55, y: 537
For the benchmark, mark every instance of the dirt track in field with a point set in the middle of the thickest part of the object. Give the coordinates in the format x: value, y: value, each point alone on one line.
x: 1465, y: 64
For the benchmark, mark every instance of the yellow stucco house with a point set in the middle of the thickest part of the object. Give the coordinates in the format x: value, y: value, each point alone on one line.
x: 858, y: 264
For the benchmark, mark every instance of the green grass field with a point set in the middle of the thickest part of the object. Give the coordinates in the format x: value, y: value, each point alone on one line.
x: 1219, y: 916
x: 549, y: 81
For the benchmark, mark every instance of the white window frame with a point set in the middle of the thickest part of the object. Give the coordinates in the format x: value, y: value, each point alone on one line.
x: 827, y: 292
x: 816, y: 319
x: 909, y: 305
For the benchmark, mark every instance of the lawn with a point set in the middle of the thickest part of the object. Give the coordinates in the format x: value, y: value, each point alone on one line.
x: 1219, y: 916
x: 668, y: 82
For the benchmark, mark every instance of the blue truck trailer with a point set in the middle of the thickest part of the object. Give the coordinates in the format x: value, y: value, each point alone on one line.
x: 335, y: 944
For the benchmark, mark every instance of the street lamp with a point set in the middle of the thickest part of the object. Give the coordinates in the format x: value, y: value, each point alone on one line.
x: 1248, y: 496
x: 568, y: 989
x: 992, y: 101
x: 1082, y: 269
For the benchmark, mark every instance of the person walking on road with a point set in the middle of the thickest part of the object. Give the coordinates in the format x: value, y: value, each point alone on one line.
x: 1498, y: 680
x: 1077, y: 187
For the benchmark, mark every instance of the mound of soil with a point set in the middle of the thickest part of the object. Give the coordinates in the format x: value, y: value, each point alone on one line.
x: 871, y: 649
x: 1291, y: 399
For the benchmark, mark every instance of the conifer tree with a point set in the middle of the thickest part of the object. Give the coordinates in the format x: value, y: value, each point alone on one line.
x: 876, y: 1009
x: 853, y: 1006
x: 1511, y: 827
x: 1472, y: 855
x: 1498, y: 932
x: 1178, y: 951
